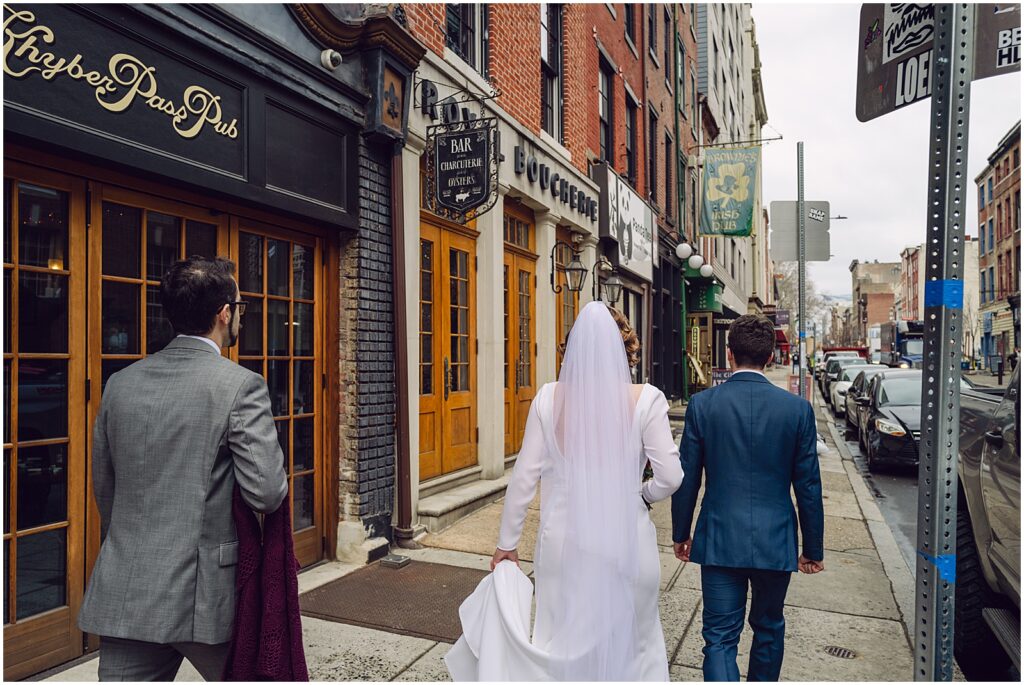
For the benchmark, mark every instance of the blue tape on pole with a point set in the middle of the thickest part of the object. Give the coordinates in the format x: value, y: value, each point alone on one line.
x: 945, y: 563
x: 949, y: 294
x: 803, y: 335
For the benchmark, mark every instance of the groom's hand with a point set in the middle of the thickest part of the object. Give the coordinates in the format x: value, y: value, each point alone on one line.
x: 682, y: 549
x: 502, y: 555
x: 809, y: 565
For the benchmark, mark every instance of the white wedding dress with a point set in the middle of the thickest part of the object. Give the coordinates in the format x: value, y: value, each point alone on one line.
x: 496, y: 644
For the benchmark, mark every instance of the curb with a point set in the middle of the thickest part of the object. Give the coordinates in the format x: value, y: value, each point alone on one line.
x: 901, y: 579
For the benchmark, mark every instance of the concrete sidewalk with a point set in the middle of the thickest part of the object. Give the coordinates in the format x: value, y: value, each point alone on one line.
x: 855, y: 608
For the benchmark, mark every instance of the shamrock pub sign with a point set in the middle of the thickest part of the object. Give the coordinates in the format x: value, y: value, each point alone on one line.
x: 730, y: 184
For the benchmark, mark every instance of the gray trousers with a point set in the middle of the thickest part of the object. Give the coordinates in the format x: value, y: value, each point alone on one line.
x: 131, y: 660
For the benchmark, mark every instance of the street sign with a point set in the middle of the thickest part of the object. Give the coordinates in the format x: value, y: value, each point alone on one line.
x: 894, y: 52
x: 784, y: 222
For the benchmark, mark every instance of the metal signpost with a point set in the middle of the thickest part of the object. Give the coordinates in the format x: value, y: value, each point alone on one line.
x: 943, y: 304
x: 907, y: 53
x: 801, y: 214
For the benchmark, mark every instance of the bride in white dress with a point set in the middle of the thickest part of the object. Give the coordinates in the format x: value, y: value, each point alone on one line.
x: 596, y: 564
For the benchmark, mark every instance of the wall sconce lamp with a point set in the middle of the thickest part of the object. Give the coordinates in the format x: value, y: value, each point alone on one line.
x: 612, y: 289
x: 575, y: 272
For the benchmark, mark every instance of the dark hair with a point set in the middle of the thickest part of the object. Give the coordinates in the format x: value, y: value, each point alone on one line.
x: 752, y: 340
x: 193, y: 290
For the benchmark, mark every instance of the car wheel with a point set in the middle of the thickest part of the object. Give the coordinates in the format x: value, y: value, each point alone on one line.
x: 873, y: 466
x: 976, y: 649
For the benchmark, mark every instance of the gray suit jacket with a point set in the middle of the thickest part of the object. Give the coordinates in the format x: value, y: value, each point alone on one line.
x: 174, y: 434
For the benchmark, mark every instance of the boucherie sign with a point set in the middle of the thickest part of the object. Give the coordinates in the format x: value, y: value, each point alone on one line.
x: 32, y: 50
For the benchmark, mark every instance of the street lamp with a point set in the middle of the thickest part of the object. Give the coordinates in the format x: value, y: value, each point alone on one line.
x: 603, y: 264
x: 612, y: 289
x: 575, y: 272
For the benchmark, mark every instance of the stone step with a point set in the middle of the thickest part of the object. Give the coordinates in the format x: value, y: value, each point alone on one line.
x: 438, y: 511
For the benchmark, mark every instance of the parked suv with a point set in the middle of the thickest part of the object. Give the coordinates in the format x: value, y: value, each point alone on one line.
x: 986, y: 621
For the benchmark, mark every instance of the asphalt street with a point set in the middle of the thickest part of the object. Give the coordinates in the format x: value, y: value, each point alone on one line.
x: 895, y: 489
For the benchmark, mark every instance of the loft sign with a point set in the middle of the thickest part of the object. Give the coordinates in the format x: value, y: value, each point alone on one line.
x: 562, y: 189
x: 28, y: 52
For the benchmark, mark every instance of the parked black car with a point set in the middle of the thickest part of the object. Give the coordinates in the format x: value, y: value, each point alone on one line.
x: 890, y: 426
x: 858, y: 388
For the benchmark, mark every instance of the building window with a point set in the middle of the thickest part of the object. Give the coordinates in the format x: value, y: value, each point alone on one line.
x: 1016, y: 212
x: 681, y: 77
x: 466, y: 33
x: 652, y: 31
x: 551, y: 51
x: 669, y: 156
x: 694, y: 109
x: 604, y: 106
x: 981, y: 241
x: 652, y: 156
x: 630, y: 16
x: 517, y: 232
x: 989, y: 188
x: 991, y: 236
x: 631, y: 108
x: 983, y: 287
x: 668, y: 47
x: 1016, y: 157
x: 991, y: 284
x: 981, y: 196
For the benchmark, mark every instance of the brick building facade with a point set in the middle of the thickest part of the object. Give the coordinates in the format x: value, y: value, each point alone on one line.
x: 999, y: 250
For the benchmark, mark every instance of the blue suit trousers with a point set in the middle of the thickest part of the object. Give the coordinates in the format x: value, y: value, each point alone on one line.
x: 725, y: 603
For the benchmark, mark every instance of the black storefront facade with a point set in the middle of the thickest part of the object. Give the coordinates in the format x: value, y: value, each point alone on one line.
x: 137, y: 135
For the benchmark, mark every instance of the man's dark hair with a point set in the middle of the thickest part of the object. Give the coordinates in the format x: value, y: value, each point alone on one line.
x: 752, y: 340
x: 193, y: 290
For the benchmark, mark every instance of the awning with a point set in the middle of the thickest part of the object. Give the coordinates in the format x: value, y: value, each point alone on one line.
x: 780, y: 337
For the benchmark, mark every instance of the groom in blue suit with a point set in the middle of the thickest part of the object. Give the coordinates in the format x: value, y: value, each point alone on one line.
x: 754, y: 441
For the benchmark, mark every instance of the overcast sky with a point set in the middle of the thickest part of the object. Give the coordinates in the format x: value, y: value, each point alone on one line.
x: 873, y: 173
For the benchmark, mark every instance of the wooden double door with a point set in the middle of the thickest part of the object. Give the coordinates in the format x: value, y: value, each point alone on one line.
x: 448, y: 348
x: 82, y: 263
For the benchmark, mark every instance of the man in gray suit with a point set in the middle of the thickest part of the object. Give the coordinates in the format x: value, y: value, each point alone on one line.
x: 176, y: 431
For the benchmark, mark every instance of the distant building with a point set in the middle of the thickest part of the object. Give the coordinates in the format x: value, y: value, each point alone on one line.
x: 875, y: 285
x: 999, y: 250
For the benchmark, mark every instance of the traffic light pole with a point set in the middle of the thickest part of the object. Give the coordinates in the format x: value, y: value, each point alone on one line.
x: 952, y: 71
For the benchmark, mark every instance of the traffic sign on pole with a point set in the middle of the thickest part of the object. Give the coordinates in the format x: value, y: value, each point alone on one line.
x: 783, y: 225
x: 895, y: 60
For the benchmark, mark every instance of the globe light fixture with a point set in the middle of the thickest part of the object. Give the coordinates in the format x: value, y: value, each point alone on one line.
x: 707, y: 270
x: 695, y: 261
x: 683, y: 251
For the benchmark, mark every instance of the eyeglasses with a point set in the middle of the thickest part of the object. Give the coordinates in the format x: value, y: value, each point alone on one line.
x: 240, y: 304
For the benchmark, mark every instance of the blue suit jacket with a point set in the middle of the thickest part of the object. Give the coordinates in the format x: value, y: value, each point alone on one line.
x: 755, y: 441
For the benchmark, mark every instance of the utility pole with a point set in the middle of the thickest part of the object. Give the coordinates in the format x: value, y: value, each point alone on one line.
x: 802, y: 263
x: 952, y: 71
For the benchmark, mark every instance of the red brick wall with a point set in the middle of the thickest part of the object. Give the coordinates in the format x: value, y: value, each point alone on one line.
x: 426, y: 22
x: 879, y: 307
x: 515, y: 60
x: 580, y: 85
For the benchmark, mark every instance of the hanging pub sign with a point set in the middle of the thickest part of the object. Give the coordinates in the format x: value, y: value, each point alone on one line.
x: 462, y: 169
x: 730, y: 183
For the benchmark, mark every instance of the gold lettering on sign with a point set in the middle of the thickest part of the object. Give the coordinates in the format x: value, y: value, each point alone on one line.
x: 126, y: 79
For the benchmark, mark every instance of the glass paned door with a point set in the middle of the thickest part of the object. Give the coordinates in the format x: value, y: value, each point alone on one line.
x: 447, y: 324
x: 44, y: 438
x: 520, y: 286
x: 279, y: 276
